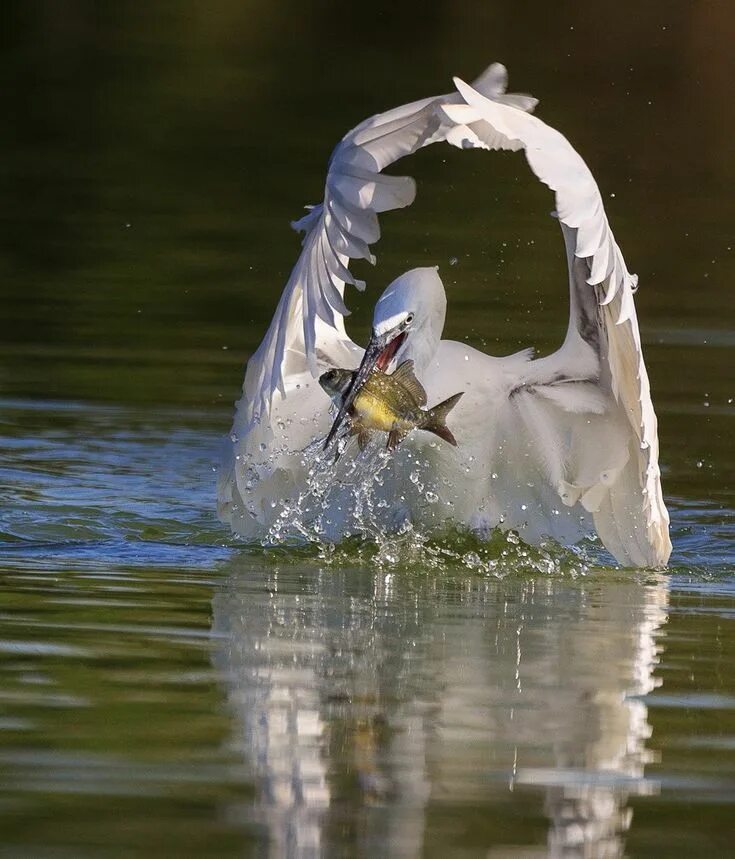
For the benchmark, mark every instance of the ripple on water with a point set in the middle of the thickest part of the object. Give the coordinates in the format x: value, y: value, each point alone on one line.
x: 412, y: 682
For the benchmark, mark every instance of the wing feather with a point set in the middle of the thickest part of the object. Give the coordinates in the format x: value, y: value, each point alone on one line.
x: 603, y: 274
x: 341, y: 228
x: 331, y: 273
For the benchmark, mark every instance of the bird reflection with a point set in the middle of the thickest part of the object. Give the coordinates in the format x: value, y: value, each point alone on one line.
x: 390, y: 712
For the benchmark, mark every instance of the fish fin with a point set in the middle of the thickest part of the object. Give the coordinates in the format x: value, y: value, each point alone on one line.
x: 406, y: 377
x: 395, y: 437
x: 363, y: 438
x: 436, y: 419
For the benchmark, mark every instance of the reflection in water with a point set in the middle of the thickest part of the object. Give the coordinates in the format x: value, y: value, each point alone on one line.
x: 375, y: 707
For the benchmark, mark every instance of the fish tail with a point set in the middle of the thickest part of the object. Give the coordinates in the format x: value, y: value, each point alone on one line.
x: 436, y: 419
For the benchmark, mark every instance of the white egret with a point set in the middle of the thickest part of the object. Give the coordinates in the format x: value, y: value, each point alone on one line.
x: 557, y: 446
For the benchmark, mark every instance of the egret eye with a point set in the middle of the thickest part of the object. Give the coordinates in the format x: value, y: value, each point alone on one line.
x: 409, y: 319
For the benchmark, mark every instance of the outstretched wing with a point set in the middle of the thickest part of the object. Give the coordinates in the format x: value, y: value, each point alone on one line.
x: 310, y: 314
x: 602, y: 348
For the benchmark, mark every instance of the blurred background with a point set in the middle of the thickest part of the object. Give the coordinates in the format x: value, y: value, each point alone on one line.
x: 154, y: 154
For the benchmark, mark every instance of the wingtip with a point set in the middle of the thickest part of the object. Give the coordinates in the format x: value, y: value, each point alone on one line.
x: 472, y: 96
x: 493, y: 81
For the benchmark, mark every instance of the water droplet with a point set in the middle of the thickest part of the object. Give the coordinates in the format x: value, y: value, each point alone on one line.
x: 494, y: 475
x: 431, y: 497
x: 699, y: 463
x: 512, y: 537
x: 453, y: 260
x: 524, y: 507
x: 233, y: 438
x: 262, y: 446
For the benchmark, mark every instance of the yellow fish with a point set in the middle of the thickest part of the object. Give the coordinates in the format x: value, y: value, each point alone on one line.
x: 389, y: 403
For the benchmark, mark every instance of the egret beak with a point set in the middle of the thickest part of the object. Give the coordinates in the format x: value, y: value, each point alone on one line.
x: 379, y: 353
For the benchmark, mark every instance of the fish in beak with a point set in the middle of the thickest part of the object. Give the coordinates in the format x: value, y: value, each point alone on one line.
x: 380, y: 352
x: 393, y: 404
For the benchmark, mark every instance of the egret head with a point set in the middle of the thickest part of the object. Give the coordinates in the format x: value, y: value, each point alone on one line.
x: 408, y: 320
x: 407, y: 323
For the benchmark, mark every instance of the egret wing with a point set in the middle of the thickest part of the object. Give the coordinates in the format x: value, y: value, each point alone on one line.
x: 602, y: 349
x: 309, y: 319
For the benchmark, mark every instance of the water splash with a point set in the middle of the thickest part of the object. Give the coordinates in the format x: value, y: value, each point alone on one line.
x: 458, y: 549
x: 341, y: 497
x: 344, y: 516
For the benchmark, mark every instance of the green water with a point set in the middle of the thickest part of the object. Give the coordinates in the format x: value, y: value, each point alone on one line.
x: 165, y: 690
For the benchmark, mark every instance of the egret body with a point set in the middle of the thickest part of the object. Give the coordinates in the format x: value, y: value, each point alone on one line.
x: 557, y: 446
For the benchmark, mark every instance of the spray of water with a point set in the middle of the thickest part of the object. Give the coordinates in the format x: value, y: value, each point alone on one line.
x: 342, y: 516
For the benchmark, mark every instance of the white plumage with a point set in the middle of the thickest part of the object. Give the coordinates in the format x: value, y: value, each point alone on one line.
x: 550, y: 447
